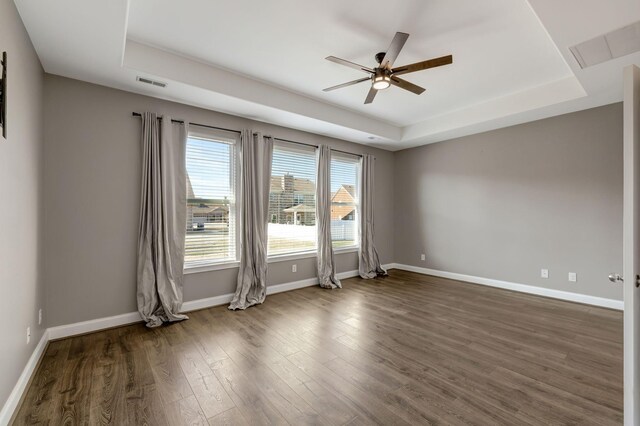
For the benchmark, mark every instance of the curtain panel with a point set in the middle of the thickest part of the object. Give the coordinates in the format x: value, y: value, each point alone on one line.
x: 256, y: 153
x: 326, y: 263
x: 162, y: 222
x: 369, y: 263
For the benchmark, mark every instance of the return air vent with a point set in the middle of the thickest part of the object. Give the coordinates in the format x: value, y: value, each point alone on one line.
x: 152, y: 82
x: 615, y: 44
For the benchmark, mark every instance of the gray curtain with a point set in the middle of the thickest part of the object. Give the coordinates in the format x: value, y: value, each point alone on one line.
x: 326, y: 263
x: 162, y: 225
x: 253, y: 202
x: 369, y: 265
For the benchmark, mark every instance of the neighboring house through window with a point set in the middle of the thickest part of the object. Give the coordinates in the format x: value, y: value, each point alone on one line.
x: 345, y: 172
x: 211, y: 212
x: 292, y: 200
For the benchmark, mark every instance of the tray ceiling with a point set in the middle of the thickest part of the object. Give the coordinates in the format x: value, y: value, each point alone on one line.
x: 265, y: 60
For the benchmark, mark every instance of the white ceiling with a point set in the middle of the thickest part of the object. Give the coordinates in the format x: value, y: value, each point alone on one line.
x: 265, y: 59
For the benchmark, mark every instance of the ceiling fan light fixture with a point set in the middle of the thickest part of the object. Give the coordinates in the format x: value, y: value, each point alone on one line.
x: 381, y: 82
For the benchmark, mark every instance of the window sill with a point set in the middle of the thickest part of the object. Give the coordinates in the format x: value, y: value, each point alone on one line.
x: 292, y: 256
x: 308, y: 254
x: 211, y: 267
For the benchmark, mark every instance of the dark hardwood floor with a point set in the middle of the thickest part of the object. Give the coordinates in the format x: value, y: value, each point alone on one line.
x: 407, y: 349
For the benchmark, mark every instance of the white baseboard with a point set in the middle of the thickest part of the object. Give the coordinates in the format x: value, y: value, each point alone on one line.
x: 523, y: 288
x: 13, y: 401
x: 194, y: 305
x: 83, y: 327
x: 294, y: 285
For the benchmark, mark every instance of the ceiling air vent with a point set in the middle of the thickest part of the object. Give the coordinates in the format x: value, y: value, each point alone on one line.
x: 615, y: 44
x: 151, y: 82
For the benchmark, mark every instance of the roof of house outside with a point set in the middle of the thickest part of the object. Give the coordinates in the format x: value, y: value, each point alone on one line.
x: 299, y: 185
x: 300, y: 208
x: 350, y: 189
x: 197, y: 210
x: 340, y: 212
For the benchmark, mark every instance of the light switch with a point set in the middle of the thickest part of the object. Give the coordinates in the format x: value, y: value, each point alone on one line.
x: 544, y: 273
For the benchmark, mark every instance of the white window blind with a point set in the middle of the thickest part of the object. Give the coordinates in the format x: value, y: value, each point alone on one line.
x: 292, y: 200
x: 345, y: 173
x: 211, y: 213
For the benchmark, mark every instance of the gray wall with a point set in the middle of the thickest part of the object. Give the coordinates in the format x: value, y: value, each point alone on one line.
x: 21, y: 287
x: 506, y: 203
x: 92, y: 183
x: 501, y: 205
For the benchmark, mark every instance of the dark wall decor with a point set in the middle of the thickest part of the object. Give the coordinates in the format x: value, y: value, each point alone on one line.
x: 3, y: 96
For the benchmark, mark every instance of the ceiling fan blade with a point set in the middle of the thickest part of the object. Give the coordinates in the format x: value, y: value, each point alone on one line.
x: 404, y: 84
x: 349, y: 64
x: 350, y: 83
x: 419, y: 66
x: 372, y: 94
x: 394, y: 49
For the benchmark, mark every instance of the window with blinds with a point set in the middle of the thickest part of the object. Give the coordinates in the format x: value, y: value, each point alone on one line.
x: 345, y: 173
x: 211, y: 213
x: 292, y: 200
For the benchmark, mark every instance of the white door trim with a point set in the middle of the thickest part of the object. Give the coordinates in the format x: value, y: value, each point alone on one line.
x: 631, y: 245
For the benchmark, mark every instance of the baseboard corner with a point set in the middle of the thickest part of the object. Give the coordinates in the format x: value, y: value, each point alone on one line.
x: 17, y: 393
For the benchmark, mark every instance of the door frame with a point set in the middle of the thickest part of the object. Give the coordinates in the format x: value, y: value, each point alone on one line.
x: 631, y: 245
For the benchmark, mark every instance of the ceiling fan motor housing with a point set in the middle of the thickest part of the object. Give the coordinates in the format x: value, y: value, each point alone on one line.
x: 380, y: 57
x: 381, y: 79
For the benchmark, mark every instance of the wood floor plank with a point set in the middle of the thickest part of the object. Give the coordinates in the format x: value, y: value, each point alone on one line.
x: 168, y: 376
x: 108, y: 393
x: 231, y: 417
x: 211, y: 395
x: 367, y: 405
x: 138, y: 370
x: 406, y: 349
x: 73, y: 402
x: 253, y: 404
x: 185, y: 412
x: 332, y: 407
x: 145, y: 407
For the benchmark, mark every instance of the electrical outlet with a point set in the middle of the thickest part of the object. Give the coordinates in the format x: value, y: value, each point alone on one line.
x: 39, y: 316
x: 544, y: 273
x: 28, y: 335
x: 573, y: 277
x: 423, y: 256
x: 294, y: 268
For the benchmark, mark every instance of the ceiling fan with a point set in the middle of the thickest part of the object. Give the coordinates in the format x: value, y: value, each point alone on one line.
x: 383, y: 75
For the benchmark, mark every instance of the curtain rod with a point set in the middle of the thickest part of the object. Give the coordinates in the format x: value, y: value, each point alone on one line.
x: 137, y: 114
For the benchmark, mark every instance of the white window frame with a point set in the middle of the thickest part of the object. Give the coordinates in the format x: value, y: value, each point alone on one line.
x: 353, y: 247
x: 234, y: 212
x: 300, y: 254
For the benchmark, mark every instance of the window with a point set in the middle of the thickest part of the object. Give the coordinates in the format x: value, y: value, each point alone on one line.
x: 345, y: 170
x: 292, y: 200
x: 211, y: 213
